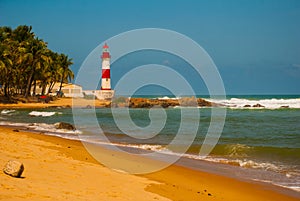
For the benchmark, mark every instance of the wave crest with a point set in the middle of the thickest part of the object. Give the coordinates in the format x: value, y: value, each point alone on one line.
x: 262, y: 103
x: 7, y: 112
x: 41, y: 114
x: 43, y: 127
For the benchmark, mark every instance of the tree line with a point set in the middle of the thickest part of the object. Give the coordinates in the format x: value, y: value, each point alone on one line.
x: 26, y: 62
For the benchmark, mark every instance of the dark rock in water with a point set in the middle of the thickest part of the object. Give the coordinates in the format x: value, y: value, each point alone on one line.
x: 258, y: 105
x: 164, y: 105
x: 88, y: 107
x: 63, y: 125
x: 247, y: 105
x: 205, y: 103
x: 13, y: 168
x: 15, y: 130
x: 284, y: 106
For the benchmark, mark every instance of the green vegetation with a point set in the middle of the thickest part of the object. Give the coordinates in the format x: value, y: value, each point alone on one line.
x: 26, y: 62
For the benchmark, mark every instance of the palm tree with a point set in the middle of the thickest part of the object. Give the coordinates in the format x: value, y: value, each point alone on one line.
x: 40, y: 60
x: 26, y: 61
x: 65, y: 73
x: 6, y: 62
x: 5, y: 68
x: 20, y: 56
x: 53, y: 72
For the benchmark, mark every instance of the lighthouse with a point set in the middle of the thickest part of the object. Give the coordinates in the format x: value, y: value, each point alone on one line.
x: 105, y: 93
x: 105, y: 82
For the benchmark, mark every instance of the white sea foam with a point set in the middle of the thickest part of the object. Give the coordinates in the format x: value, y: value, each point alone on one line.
x: 42, y: 114
x: 47, y: 128
x: 7, y: 112
x: 266, y: 103
x: 166, y: 98
x: 245, y: 163
x: 50, y: 128
x: 295, y: 188
x: 149, y: 147
x: 6, y: 123
x: 235, y: 162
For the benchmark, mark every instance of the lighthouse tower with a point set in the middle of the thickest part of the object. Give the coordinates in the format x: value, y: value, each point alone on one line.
x: 105, y: 82
x: 106, y: 93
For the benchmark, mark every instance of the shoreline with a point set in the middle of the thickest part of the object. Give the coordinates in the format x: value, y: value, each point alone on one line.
x: 119, y: 102
x: 122, y: 102
x: 61, y: 102
x: 175, y: 182
x: 61, y: 169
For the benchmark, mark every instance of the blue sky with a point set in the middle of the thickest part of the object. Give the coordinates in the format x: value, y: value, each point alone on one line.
x: 255, y: 44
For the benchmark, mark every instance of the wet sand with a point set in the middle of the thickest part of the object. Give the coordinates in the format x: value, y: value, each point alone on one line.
x: 61, y: 169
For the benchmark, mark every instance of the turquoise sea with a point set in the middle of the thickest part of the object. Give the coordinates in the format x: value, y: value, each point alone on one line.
x: 256, y: 143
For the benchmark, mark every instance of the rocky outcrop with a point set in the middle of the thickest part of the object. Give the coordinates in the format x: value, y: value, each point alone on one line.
x: 164, y: 103
x: 149, y: 103
x: 64, y: 125
x: 204, y: 103
x: 13, y: 168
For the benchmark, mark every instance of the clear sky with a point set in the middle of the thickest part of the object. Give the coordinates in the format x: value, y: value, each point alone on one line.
x: 254, y: 43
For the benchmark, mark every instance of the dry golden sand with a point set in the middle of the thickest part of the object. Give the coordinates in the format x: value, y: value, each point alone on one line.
x: 61, y: 102
x: 60, y: 169
x: 57, y: 169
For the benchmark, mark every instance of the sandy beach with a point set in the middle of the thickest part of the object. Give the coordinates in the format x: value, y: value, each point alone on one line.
x: 150, y: 100
x: 58, y: 169
x: 61, y: 102
x: 61, y: 169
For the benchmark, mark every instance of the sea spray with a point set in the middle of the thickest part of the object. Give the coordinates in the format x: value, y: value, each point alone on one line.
x: 42, y: 114
x: 254, y: 103
x: 7, y: 112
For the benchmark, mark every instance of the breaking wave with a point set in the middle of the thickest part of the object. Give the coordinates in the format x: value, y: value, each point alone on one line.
x: 242, y: 162
x: 7, y: 112
x: 167, y: 98
x: 41, y: 114
x: 286, y: 179
x: 41, y: 127
x: 262, y: 103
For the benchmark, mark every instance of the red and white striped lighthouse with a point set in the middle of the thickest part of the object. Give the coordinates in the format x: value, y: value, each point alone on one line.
x: 105, y: 82
x: 106, y: 93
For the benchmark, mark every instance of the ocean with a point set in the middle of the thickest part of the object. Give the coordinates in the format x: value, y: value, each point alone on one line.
x: 259, y: 144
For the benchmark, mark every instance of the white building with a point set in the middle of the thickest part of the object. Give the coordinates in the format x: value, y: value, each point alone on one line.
x: 69, y: 90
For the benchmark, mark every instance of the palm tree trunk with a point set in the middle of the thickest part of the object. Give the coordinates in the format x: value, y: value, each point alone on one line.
x: 50, y: 87
x: 61, y: 82
x: 44, y: 85
x: 5, y: 91
x: 34, y: 88
x: 29, y: 83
